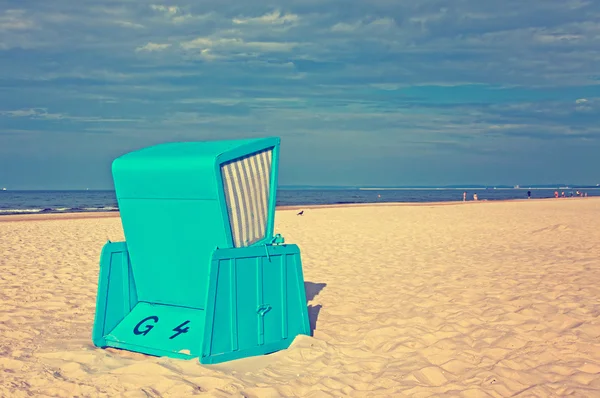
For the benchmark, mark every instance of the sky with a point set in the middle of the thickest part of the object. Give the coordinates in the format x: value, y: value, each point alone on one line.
x: 378, y: 92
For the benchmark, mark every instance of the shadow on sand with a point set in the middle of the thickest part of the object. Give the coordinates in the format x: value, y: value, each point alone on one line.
x: 312, y: 290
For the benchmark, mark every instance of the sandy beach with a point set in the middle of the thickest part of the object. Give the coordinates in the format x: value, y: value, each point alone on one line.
x: 487, y: 299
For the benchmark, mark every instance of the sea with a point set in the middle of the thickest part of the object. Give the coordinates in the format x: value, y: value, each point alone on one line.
x: 24, y: 202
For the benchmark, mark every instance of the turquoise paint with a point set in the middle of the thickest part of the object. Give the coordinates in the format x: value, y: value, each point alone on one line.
x: 178, y: 287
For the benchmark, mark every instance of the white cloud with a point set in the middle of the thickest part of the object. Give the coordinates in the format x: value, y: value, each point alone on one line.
x: 377, y: 24
x: 270, y: 46
x: 128, y: 24
x: 425, y: 19
x: 152, y: 47
x: 506, y: 126
x: 33, y: 113
x: 42, y: 113
x: 387, y: 86
x: 167, y: 10
x: 346, y: 27
x: 220, y: 47
x: 205, y: 42
x: 190, y: 118
x: 183, y: 18
x: 273, y: 18
x: 591, y: 105
x: 217, y: 101
x: 557, y: 38
x: 207, y: 54
x: 176, y: 14
x: 15, y: 20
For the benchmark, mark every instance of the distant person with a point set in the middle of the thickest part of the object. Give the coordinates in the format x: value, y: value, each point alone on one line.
x: 528, y: 194
x: 563, y: 194
x: 556, y: 194
x: 474, y: 196
x: 465, y: 196
x: 586, y: 194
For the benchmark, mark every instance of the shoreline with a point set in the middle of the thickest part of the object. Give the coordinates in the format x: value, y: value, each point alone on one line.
x: 114, y: 214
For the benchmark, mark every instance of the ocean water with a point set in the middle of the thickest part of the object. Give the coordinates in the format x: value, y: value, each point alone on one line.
x: 20, y: 202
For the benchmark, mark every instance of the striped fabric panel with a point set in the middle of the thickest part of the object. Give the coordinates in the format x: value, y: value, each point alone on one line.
x: 247, y: 186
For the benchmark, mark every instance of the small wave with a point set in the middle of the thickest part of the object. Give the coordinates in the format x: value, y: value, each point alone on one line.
x: 50, y: 210
x: 19, y: 211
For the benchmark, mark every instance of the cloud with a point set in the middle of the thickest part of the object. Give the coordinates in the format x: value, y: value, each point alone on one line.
x: 398, y: 78
x: 174, y: 13
x: 151, y: 47
x: 273, y: 18
x: 167, y: 10
x: 43, y: 114
x: 588, y: 106
x: 221, y: 46
x: 15, y: 20
x: 33, y: 114
x: 381, y: 24
x: 393, y: 43
x: 128, y: 24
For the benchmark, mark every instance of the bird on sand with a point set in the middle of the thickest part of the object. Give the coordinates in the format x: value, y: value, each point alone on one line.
x: 301, y: 213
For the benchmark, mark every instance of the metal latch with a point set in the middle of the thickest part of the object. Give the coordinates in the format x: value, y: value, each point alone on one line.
x: 276, y: 240
x: 263, y: 309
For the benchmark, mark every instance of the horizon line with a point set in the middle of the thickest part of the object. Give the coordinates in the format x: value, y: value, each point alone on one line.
x: 368, y: 187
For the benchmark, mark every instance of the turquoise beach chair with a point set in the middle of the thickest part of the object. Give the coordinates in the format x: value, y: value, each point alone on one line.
x: 200, y: 274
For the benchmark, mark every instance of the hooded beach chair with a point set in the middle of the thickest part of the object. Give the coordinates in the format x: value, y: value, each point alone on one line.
x: 200, y: 273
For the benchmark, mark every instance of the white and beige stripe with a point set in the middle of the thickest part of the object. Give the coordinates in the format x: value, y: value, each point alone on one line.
x: 247, y: 183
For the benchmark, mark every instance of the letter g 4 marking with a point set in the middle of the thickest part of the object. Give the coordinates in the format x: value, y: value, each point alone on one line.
x: 136, y: 329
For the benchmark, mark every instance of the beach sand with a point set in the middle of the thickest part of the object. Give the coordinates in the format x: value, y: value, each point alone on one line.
x: 470, y: 300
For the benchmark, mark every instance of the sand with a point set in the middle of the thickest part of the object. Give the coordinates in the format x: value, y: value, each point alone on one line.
x: 469, y: 300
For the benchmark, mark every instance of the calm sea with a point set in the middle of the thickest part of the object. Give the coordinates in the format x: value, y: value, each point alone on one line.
x: 17, y: 202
